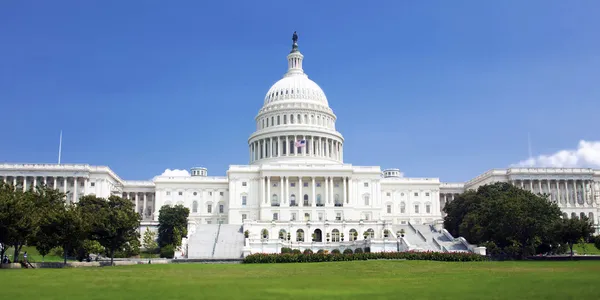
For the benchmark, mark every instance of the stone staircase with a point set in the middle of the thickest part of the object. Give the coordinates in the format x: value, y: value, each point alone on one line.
x: 230, y: 242
x: 439, y: 240
x: 202, y: 242
x: 426, y: 238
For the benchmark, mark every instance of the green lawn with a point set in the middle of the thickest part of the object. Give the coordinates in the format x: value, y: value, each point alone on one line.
x: 32, y: 254
x: 589, y: 249
x: 334, y: 280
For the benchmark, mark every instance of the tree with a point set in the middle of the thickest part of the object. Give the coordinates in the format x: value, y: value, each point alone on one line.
x: 46, y: 237
x: 571, y: 231
x: 20, y: 217
x: 113, y: 222
x: 516, y: 221
x: 597, y: 242
x: 172, y: 225
x: 71, y: 228
x: 150, y: 240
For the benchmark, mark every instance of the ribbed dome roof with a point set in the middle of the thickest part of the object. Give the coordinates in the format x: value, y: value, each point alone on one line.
x: 296, y: 87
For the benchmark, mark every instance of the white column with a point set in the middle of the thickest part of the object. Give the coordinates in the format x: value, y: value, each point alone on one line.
x: 287, y: 146
x: 584, y: 184
x: 65, y: 185
x: 287, y: 189
x: 250, y: 151
x: 531, y: 185
x: 75, y: 186
x: 300, y: 197
x: 326, y: 147
x: 344, y: 195
x: 558, y: 190
x: 144, y: 205
x: 313, y: 198
x: 326, y: 196
x: 24, y: 183
x: 331, y: 190
x: 282, y: 183
x: 540, y: 186
x: 137, y: 197
x: 53, y: 182
x: 15, y: 182
x: 262, y: 189
x: 269, y: 188
x: 34, y: 182
x: 295, y: 148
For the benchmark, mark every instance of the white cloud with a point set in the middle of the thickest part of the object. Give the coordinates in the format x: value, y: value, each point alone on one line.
x: 175, y: 173
x: 587, y: 155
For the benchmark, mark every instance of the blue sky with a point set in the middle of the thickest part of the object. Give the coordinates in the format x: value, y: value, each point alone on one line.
x: 444, y: 89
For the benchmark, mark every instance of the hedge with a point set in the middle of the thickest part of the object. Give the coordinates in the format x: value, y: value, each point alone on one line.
x: 322, y: 257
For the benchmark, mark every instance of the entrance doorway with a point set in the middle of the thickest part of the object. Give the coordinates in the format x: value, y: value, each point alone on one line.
x: 318, y: 235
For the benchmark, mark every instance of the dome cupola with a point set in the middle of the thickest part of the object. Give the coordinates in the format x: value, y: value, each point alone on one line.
x: 295, y: 122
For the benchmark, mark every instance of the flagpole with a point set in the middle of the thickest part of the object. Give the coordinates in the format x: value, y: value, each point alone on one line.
x: 59, y: 147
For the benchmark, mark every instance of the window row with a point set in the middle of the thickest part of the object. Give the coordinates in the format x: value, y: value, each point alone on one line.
x: 416, y: 194
x: 416, y: 206
x: 294, y: 216
x: 180, y: 193
x: 312, y: 119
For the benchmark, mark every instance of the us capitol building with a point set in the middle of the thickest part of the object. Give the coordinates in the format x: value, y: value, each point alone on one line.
x: 297, y: 191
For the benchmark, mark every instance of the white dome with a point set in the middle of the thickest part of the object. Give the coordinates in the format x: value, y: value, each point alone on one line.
x: 296, y: 87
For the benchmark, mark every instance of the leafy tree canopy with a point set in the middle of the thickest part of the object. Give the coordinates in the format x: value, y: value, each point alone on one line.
x: 172, y: 225
x: 515, y: 221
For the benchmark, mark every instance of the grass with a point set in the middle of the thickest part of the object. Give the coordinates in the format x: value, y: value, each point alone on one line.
x: 33, y: 255
x: 589, y: 249
x: 333, y: 280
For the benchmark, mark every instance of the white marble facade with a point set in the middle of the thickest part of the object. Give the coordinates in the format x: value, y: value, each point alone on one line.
x: 297, y: 174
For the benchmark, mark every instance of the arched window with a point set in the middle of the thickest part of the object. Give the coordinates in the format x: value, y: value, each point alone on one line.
x: 306, y: 200
x: 335, y: 235
x: 299, y: 235
x: 293, y: 200
x: 370, y: 233
x: 195, y: 207
x: 282, y: 235
x: 274, y: 200
x: 319, y: 202
x: 591, y: 216
x: 336, y: 199
x: 353, y: 235
x: 573, y: 215
x: 565, y: 216
x: 582, y: 215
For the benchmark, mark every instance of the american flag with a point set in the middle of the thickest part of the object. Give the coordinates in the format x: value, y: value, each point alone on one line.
x: 301, y: 143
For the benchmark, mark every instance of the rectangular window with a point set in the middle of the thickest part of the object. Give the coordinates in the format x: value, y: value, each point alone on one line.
x: 416, y: 209
x: 366, y: 184
x: 416, y: 194
x: 318, y: 184
x: 389, y: 209
x: 275, y: 184
x: 293, y: 218
x: 320, y: 216
x: 209, y: 208
x: 168, y: 193
x: 208, y: 221
x: 275, y: 216
x: 426, y: 194
x: 221, y: 208
x: 306, y: 217
x: 305, y: 184
x: 278, y: 120
x: 221, y: 193
x: 244, y: 183
x: 367, y: 217
x: 428, y: 209
x: 92, y: 184
x: 210, y: 193
x: 402, y: 209
x: 243, y: 200
x: 180, y: 193
x: 243, y: 217
x: 292, y: 184
x: 338, y: 216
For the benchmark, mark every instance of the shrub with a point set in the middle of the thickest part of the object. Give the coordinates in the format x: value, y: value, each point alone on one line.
x: 335, y: 251
x: 321, y: 257
x: 320, y: 251
x: 358, y: 250
x: 286, y: 250
x: 348, y: 251
x: 306, y: 252
x: 167, y: 251
x: 296, y: 251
